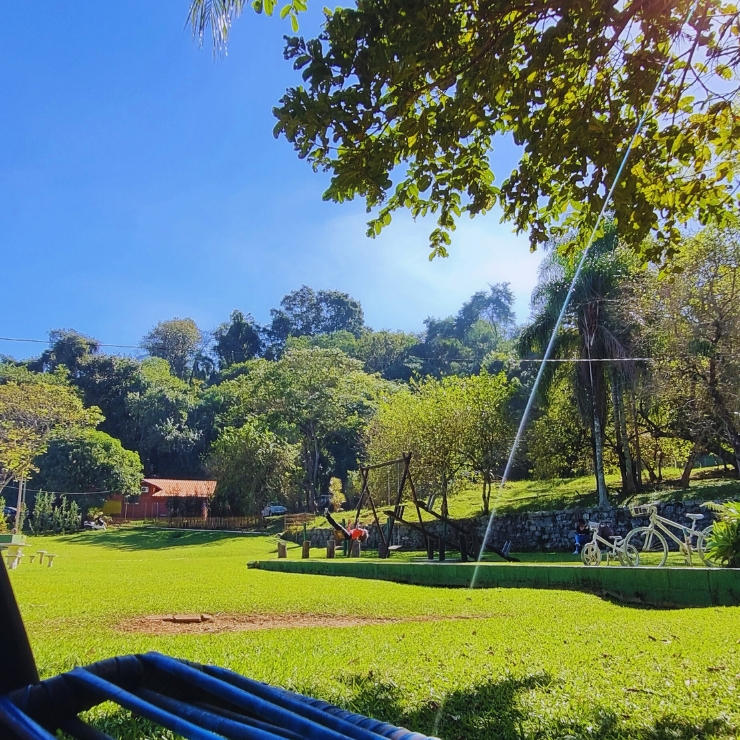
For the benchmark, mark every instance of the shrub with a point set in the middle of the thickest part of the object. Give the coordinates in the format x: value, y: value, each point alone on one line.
x: 52, y: 518
x: 724, y: 544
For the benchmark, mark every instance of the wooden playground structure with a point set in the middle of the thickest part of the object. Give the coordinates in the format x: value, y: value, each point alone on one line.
x: 453, y: 534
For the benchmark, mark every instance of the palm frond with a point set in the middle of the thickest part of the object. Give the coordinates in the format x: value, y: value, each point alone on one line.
x: 218, y: 15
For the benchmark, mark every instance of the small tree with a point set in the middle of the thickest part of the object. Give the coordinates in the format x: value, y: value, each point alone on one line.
x: 489, y: 426
x: 252, y: 466
x: 429, y: 420
x: 309, y: 397
x: 52, y: 517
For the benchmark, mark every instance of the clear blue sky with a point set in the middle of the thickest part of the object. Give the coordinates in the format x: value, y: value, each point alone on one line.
x: 139, y: 180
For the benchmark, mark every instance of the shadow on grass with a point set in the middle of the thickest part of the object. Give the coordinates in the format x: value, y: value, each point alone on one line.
x: 482, y: 712
x: 493, y: 710
x: 149, y: 539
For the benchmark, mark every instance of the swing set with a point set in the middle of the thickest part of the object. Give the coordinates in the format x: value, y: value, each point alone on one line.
x: 453, y: 534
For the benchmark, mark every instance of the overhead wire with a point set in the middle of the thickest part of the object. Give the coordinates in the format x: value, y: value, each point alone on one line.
x: 48, y: 341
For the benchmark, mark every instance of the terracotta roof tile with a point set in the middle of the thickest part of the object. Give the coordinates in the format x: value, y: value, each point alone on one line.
x: 171, y: 488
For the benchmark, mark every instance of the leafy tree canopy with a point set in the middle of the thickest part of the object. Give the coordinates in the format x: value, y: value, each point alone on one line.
x: 237, y: 341
x: 31, y: 410
x: 424, y: 90
x: 253, y: 467
x: 88, y: 460
x: 305, y: 312
x: 67, y: 347
x: 177, y: 341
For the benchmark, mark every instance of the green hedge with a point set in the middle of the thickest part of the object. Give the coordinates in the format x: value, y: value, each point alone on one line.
x: 649, y: 586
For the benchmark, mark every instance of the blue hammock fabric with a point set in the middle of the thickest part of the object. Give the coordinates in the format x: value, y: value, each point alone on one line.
x: 197, y: 702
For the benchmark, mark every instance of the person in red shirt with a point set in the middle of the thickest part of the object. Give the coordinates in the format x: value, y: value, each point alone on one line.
x: 354, y: 533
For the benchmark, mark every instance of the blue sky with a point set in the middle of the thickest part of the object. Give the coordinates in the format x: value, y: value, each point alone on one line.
x: 140, y: 180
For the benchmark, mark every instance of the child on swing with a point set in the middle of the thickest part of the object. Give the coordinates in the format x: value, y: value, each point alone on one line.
x: 355, y: 533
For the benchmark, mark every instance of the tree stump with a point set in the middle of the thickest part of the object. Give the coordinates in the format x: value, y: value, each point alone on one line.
x: 330, y: 548
x: 282, y: 550
x: 305, y: 549
x: 355, y: 549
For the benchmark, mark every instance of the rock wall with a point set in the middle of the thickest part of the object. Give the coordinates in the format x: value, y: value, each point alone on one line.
x: 541, y: 531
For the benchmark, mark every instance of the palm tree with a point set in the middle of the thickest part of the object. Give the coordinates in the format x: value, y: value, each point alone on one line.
x: 593, y: 331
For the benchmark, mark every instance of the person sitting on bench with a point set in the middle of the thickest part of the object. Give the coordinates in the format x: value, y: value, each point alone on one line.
x: 356, y: 533
x: 605, y: 532
x: 582, y: 535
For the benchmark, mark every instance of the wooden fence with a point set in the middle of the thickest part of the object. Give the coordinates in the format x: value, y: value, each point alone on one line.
x: 292, y: 520
x: 214, y: 522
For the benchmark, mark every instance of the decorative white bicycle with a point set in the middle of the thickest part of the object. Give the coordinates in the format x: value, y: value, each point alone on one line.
x: 651, y: 542
x: 593, y: 552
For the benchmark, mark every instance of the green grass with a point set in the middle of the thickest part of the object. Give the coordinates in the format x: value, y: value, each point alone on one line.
x: 524, y: 663
x: 519, y: 497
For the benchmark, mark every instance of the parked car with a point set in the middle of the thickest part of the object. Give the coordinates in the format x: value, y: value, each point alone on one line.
x: 274, y: 510
x: 9, y: 513
x: 325, y: 502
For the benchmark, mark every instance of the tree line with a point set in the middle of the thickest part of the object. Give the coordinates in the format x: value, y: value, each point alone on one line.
x: 647, y: 372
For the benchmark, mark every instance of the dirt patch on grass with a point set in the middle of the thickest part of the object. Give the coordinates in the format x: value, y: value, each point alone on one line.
x: 200, y: 624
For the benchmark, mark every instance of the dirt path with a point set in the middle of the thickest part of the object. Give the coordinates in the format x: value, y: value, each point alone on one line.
x: 199, y: 624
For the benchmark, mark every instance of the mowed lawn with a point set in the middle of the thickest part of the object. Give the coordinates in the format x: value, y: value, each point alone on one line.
x: 510, y: 663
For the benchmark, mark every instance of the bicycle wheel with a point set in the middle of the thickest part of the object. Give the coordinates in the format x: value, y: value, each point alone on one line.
x: 649, y: 544
x: 591, y: 554
x: 628, y: 556
x: 701, y: 547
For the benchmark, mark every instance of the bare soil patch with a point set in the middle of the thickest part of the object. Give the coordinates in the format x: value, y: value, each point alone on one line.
x: 197, y: 624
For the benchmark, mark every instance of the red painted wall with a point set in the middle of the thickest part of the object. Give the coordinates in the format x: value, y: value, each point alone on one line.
x: 148, y: 507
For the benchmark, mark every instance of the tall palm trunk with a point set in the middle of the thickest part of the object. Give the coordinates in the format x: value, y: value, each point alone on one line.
x: 620, y: 426
x: 638, y: 451
x: 599, y: 461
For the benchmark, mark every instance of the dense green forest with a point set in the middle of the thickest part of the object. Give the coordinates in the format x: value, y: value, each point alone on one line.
x: 646, y: 374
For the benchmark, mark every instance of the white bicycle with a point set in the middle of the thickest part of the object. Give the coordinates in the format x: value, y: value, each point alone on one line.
x: 593, y: 552
x: 651, y: 542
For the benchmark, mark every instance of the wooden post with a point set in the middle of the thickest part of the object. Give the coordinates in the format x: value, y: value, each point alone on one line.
x: 355, y: 549
x: 19, y: 507
x: 430, y: 548
x: 442, y: 547
x: 305, y: 549
x: 463, y: 548
x: 330, y: 548
x: 282, y: 550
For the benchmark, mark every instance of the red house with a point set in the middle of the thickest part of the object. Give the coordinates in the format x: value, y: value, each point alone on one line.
x: 161, y: 497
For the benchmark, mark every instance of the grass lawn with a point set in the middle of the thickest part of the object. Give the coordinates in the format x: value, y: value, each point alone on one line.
x: 573, y: 493
x: 467, y: 665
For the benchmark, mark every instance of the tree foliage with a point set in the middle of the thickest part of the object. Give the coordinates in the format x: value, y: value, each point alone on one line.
x: 178, y: 341
x: 593, y: 332
x: 310, y: 397
x: 489, y: 427
x: 692, y: 330
x: 32, y: 408
x: 451, y: 426
x: 426, y: 90
x: 237, y: 341
x: 67, y: 348
x: 305, y: 312
x: 162, y: 416
x: 88, y: 460
x: 253, y: 466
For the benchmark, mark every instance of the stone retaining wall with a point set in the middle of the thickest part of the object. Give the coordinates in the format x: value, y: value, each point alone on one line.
x: 541, y: 531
